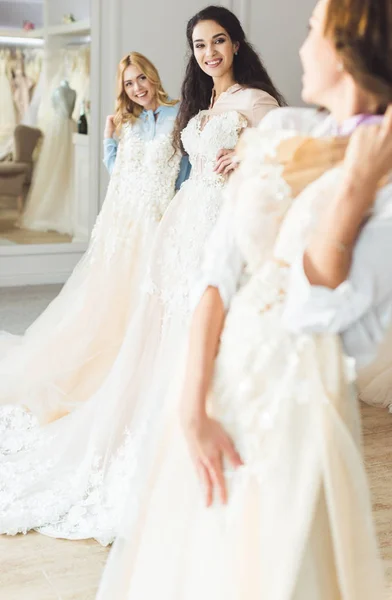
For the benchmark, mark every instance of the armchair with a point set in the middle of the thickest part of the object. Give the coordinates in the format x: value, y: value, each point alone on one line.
x: 16, y: 175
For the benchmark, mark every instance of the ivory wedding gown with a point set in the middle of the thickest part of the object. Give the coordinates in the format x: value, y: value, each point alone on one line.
x: 298, y: 523
x: 70, y: 478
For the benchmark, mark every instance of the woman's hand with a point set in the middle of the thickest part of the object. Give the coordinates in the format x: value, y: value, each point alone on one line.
x: 209, y: 445
x: 368, y: 157
x: 226, y: 162
x: 109, y: 127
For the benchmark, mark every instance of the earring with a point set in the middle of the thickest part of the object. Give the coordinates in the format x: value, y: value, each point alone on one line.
x: 236, y: 53
x: 340, y: 68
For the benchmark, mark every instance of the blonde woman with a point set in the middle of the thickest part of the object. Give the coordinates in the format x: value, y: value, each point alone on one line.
x: 143, y: 102
x: 65, y: 355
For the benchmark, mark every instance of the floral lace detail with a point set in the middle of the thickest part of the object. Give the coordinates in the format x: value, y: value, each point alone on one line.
x: 82, y: 501
x: 99, y: 509
x: 197, y: 207
x: 18, y: 429
x: 261, y: 370
x: 140, y: 190
x: 18, y: 512
x: 262, y: 197
x: 204, y: 136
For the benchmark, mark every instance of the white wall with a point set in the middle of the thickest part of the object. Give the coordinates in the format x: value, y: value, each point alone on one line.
x: 57, y: 8
x: 162, y: 37
x: 277, y: 28
x: 13, y: 13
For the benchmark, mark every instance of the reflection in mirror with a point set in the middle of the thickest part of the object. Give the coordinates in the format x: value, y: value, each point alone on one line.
x: 39, y: 141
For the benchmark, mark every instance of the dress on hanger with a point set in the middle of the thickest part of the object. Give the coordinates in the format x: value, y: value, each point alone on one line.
x: 7, y: 107
x: 49, y: 205
x: 22, y: 87
x: 79, y: 78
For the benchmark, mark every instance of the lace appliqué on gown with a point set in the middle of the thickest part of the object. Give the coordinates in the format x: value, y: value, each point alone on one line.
x: 253, y: 342
x: 195, y: 210
x: 140, y: 190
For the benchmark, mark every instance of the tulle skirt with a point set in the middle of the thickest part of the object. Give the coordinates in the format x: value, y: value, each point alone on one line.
x: 298, y: 524
x: 66, y: 354
x: 72, y: 477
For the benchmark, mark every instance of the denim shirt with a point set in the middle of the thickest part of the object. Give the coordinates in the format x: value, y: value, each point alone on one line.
x: 148, y: 125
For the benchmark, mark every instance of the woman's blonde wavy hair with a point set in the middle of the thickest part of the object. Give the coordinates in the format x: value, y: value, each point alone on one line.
x: 126, y: 110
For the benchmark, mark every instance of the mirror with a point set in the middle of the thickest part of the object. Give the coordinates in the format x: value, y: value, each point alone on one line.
x: 44, y: 127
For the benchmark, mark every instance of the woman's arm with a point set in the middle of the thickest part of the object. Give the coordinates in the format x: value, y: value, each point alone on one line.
x: 109, y: 144
x: 359, y: 308
x: 207, y: 441
x: 205, y: 332
x: 184, y: 172
x: 343, y: 282
x: 328, y: 257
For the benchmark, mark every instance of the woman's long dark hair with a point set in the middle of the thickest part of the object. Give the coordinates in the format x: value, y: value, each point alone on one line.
x: 197, y: 87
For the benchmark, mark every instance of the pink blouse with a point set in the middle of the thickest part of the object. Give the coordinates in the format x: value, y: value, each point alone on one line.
x: 253, y: 104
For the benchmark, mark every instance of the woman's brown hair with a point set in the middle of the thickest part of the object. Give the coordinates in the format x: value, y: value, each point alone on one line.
x: 362, y: 33
x: 126, y: 110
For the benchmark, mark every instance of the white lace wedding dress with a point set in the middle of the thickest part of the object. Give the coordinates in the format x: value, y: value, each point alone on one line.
x: 70, y: 478
x: 65, y: 355
x: 298, y: 523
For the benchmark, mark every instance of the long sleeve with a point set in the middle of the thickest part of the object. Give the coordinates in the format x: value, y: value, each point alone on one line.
x: 110, y: 152
x: 361, y: 307
x: 223, y: 263
x: 184, y: 172
x: 261, y: 104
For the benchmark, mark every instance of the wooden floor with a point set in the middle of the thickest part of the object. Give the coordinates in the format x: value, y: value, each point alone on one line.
x: 34, y: 567
x: 377, y: 431
x: 10, y: 234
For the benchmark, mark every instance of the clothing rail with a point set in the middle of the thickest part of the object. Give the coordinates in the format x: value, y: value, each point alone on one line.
x: 20, y: 42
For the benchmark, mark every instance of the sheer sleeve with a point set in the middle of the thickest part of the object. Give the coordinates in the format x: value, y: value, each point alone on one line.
x: 359, y: 308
